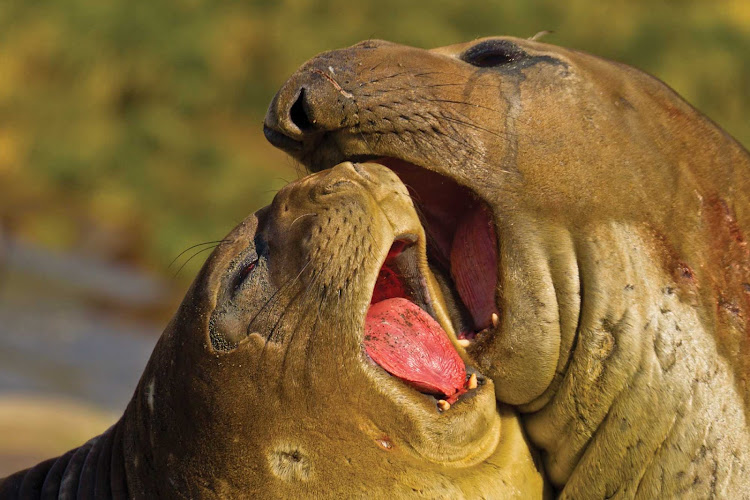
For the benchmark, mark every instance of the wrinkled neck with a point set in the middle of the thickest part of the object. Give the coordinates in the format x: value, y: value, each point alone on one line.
x: 644, y: 402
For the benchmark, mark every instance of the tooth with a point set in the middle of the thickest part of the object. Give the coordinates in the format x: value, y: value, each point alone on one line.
x: 444, y: 405
x: 464, y: 342
x: 495, y: 320
x: 473, y: 381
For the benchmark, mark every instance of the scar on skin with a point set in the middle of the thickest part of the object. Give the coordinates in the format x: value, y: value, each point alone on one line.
x: 290, y: 463
x: 150, y: 389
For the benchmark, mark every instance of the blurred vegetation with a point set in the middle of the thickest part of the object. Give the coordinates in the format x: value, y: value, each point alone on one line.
x: 133, y: 130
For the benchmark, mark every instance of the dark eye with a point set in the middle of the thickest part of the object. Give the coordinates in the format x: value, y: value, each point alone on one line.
x: 492, y: 53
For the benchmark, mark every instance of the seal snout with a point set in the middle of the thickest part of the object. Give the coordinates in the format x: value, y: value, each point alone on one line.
x: 313, y: 101
x: 288, y: 119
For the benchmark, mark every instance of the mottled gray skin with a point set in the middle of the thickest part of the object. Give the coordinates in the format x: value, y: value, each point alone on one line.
x: 260, y: 386
x: 621, y: 216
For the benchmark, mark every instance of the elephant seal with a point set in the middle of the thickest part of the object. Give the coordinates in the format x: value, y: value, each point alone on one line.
x: 265, y: 385
x: 593, y: 226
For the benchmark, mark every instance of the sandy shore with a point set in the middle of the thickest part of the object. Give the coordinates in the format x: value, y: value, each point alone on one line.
x: 36, y: 428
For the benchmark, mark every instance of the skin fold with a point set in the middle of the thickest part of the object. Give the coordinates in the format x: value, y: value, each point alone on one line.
x: 622, y: 216
x: 260, y: 386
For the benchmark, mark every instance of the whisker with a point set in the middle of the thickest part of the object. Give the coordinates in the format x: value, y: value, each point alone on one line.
x: 359, y: 127
x: 308, y: 342
x: 429, y: 73
x: 468, y: 146
x: 450, y: 101
x: 299, y: 169
x: 457, y: 138
x: 437, y: 85
x: 473, y: 125
x: 287, y: 308
x: 384, y: 78
x: 288, y: 282
x: 310, y: 286
x: 288, y: 346
x: 270, y: 337
x: 323, y: 300
x: 307, y: 288
x: 192, y: 257
x: 376, y: 66
x: 300, y: 217
x: 195, y: 246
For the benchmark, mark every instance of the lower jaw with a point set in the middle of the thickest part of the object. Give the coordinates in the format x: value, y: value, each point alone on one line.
x: 482, y: 436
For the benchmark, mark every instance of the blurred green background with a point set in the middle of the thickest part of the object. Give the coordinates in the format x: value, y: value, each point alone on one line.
x: 131, y: 130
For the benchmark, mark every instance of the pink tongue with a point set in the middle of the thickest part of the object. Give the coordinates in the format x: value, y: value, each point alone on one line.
x: 407, y: 343
x: 474, y: 265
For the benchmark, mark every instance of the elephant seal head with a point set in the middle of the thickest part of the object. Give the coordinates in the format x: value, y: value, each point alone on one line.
x: 276, y: 379
x: 592, y: 229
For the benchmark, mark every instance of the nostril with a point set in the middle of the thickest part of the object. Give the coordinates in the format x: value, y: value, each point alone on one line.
x: 362, y: 171
x: 298, y: 114
x: 336, y: 186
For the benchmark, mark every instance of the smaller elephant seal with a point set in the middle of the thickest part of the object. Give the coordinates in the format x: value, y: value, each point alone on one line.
x: 593, y: 228
x: 311, y: 358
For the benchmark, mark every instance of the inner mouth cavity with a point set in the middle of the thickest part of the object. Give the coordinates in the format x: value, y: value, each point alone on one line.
x: 461, y: 245
x: 401, y: 334
x: 403, y: 338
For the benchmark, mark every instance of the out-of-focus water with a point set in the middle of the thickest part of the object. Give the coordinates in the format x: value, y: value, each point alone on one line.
x: 74, y: 340
x: 63, y: 349
x: 57, y: 339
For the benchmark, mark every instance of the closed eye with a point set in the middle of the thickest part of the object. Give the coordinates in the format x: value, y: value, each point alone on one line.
x: 258, y: 250
x: 492, y: 53
x: 243, y: 274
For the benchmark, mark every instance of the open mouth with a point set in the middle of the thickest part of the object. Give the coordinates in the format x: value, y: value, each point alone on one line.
x: 461, y: 246
x: 401, y: 333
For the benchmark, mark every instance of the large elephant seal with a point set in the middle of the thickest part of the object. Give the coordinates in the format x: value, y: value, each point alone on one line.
x: 594, y: 226
x: 265, y: 384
